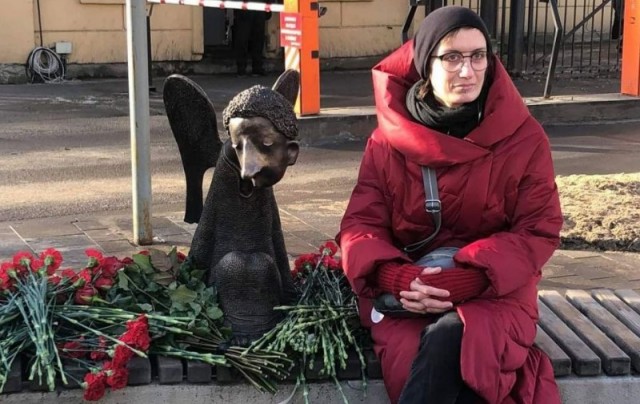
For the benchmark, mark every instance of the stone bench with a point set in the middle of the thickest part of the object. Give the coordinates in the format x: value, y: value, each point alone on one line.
x: 592, y: 338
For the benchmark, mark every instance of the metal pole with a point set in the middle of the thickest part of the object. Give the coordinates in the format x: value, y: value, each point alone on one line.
x: 151, y: 86
x: 557, y: 39
x: 516, y: 37
x: 139, y: 121
x: 489, y: 13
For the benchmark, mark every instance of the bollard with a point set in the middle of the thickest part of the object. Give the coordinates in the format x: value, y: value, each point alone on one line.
x: 630, y: 78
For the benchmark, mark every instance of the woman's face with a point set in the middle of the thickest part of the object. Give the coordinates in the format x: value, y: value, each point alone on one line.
x: 464, y: 85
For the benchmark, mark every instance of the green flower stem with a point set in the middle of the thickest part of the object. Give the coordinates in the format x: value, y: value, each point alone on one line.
x: 168, y: 350
x: 99, y: 333
x: 261, y: 384
x: 139, y: 289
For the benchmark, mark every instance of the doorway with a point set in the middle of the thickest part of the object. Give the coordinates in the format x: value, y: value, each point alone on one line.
x: 218, y: 39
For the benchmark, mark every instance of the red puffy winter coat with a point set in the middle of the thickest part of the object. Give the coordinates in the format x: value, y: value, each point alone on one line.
x: 500, y: 205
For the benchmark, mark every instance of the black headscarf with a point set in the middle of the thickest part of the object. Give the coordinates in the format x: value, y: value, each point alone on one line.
x: 436, y: 26
x: 457, y: 121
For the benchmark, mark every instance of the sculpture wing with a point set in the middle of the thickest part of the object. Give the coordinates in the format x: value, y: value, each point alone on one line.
x: 194, y: 126
x: 288, y: 84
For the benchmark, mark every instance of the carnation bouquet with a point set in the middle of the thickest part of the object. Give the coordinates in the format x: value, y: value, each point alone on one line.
x: 98, y: 318
x: 323, y: 326
x: 84, y: 326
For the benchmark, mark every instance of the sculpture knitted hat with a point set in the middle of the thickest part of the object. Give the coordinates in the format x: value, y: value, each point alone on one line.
x: 436, y: 26
x: 263, y: 102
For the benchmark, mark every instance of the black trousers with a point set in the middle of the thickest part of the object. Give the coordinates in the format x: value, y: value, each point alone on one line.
x: 248, y: 39
x: 435, y: 376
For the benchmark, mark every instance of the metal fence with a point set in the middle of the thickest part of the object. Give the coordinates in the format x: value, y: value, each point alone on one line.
x: 588, y: 40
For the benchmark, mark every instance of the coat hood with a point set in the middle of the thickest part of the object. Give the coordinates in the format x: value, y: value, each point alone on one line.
x: 504, y: 113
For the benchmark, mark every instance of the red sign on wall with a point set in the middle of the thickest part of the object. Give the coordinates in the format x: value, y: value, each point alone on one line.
x: 291, y: 30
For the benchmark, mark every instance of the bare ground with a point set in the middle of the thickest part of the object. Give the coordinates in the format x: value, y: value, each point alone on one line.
x: 601, y: 212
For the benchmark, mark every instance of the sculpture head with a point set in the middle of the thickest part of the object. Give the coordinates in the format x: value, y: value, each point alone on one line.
x: 262, y: 128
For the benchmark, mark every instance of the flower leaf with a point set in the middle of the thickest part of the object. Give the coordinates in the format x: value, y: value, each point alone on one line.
x: 160, y: 261
x: 146, y: 307
x: 183, y: 295
x: 163, y: 278
x: 144, y: 262
x: 214, y: 312
x: 123, y: 282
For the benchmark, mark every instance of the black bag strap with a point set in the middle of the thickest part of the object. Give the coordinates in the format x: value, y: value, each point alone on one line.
x: 432, y: 205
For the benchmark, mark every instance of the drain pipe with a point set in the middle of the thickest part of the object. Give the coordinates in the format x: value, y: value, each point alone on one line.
x: 139, y: 120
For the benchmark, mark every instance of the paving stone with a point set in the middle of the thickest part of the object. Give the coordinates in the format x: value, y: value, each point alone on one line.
x: 568, y: 282
x: 374, y: 370
x: 314, y: 370
x: 112, y: 246
x: 139, y: 371
x: 353, y: 369
x: 577, y: 254
x: 74, y: 258
x: 225, y: 374
x: 126, y: 224
x: 182, y: 240
x: 105, y: 234
x: 170, y: 370
x: 14, y: 378
x: 89, y: 224
x: 75, y: 375
x: 293, y: 372
x: 52, y: 227
x: 198, y: 372
x: 169, y: 230
x: 627, y: 258
x: 556, y: 271
x: 37, y: 385
x: 61, y: 242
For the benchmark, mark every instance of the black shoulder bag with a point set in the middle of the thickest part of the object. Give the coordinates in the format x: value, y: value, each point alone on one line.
x: 387, y: 303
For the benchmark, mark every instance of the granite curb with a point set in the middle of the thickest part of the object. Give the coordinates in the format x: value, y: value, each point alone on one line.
x: 573, y: 390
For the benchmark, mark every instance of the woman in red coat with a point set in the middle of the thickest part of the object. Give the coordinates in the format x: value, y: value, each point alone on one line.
x: 445, y: 102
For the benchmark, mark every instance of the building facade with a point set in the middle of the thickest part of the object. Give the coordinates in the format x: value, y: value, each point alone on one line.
x: 96, y: 31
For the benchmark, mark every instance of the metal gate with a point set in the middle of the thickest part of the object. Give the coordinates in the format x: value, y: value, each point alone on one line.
x: 589, y: 33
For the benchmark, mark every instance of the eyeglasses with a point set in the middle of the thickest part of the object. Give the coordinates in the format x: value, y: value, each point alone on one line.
x: 453, y: 61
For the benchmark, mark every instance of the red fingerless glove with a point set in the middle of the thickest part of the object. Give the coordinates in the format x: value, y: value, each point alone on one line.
x: 394, y: 277
x: 462, y: 284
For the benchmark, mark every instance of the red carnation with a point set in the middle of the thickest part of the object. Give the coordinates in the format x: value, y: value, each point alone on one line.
x: 83, y: 277
x: 22, y: 258
x: 69, y: 274
x: 36, y: 264
x: 103, y: 284
x: 73, y: 349
x: 137, y: 334
x: 94, y: 385
x: 304, y: 260
x: 55, y: 279
x: 52, y: 259
x: 95, y: 257
x: 181, y: 256
x: 7, y: 272
x: 117, y: 378
x: 121, y: 356
x: 329, y: 248
x: 331, y: 263
x: 85, y: 295
x: 110, y: 266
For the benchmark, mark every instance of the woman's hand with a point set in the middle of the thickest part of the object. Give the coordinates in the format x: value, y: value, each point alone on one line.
x: 419, y: 297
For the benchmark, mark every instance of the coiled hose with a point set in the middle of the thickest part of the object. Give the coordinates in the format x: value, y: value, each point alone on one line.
x: 44, y: 66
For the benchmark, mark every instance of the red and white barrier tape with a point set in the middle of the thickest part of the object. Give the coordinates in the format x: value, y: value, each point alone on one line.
x: 236, y: 5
